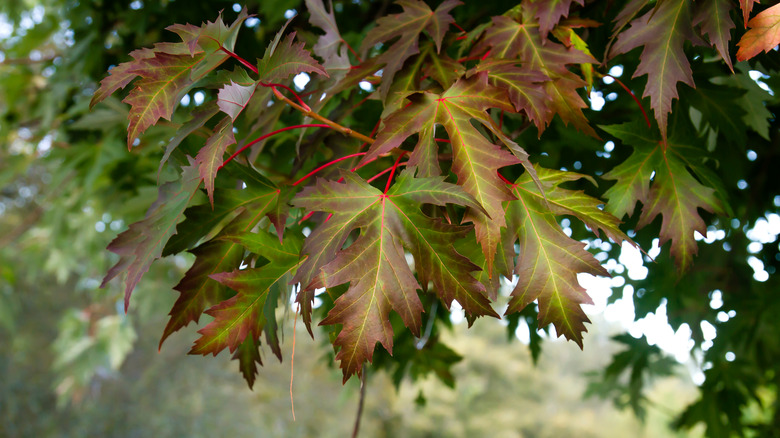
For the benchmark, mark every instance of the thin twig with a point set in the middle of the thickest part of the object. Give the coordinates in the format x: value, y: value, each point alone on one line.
x: 356, y: 429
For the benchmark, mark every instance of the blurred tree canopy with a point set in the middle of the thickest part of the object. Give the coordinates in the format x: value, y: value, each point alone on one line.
x: 68, y: 185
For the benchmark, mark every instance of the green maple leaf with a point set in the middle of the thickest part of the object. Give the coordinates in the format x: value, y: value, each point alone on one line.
x: 246, y: 313
x: 407, y: 26
x: 197, y: 289
x: 549, y: 260
x: 475, y: 159
x: 198, y: 120
x: 662, y: 31
x: 248, y: 356
x: 721, y: 109
x: 374, y: 264
x: 656, y: 174
x: 715, y: 21
x: 144, y: 240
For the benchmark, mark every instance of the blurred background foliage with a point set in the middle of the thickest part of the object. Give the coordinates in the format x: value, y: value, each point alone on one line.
x: 72, y: 363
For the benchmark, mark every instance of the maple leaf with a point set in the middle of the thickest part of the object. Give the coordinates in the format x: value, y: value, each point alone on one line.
x: 233, y: 98
x: 197, y: 289
x: 509, y: 39
x: 210, y: 156
x: 167, y: 72
x: 330, y: 46
x: 248, y: 356
x: 374, y: 264
x: 549, y: 260
x: 663, y: 32
x: 407, y: 27
x: 199, y: 118
x: 142, y: 243
x: 674, y: 193
x: 245, y: 313
x: 475, y: 159
x: 524, y: 86
x: 715, y: 21
x: 119, y: 76
x: 285, y: 59
x: 165, y: 80
x: 747, y: 7
x: 763, y: 35
x: 550, y: 12
x: 561, y: 201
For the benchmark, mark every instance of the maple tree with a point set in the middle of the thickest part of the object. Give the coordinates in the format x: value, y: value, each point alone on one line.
x: 423, y: 166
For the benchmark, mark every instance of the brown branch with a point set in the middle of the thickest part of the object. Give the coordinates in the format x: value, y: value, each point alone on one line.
x: 360, y: 403
x: 315, y: 116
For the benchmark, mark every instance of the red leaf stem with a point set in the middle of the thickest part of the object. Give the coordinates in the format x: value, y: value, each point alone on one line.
x: 328, y: 164
x: 392, y: 171
x: 443, y: 140
x: 504, y: 179
x: 636, y: 99
x: 243, y: 61
x: 360, y: 60
x: 263, y: 137
x: 379, y: 175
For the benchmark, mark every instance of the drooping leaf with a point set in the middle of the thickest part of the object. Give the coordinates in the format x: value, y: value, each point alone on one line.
x: 763, y: 34
x: 243, y: 315
x: 144, y: 241
x: 475, y: 159
x: 119, y: 76
x: 657, y: 175
x: 408, y: 25
x: 248, y: 356
x: 548, y: 263
x: 197, y: 289
x: 374, y: 265
x: 210, y: 156
x: 662, y: 32
x: 747, y: 7
x: 716, y: 23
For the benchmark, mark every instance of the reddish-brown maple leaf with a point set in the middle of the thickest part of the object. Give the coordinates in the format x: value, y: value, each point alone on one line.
x: 407, y: 27
x: 662, y: 32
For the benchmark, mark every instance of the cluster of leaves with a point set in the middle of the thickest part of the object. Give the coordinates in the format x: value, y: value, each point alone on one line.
x: 386, y: 244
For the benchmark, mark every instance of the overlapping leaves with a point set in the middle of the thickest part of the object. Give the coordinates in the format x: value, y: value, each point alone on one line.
x: 374, y: 264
